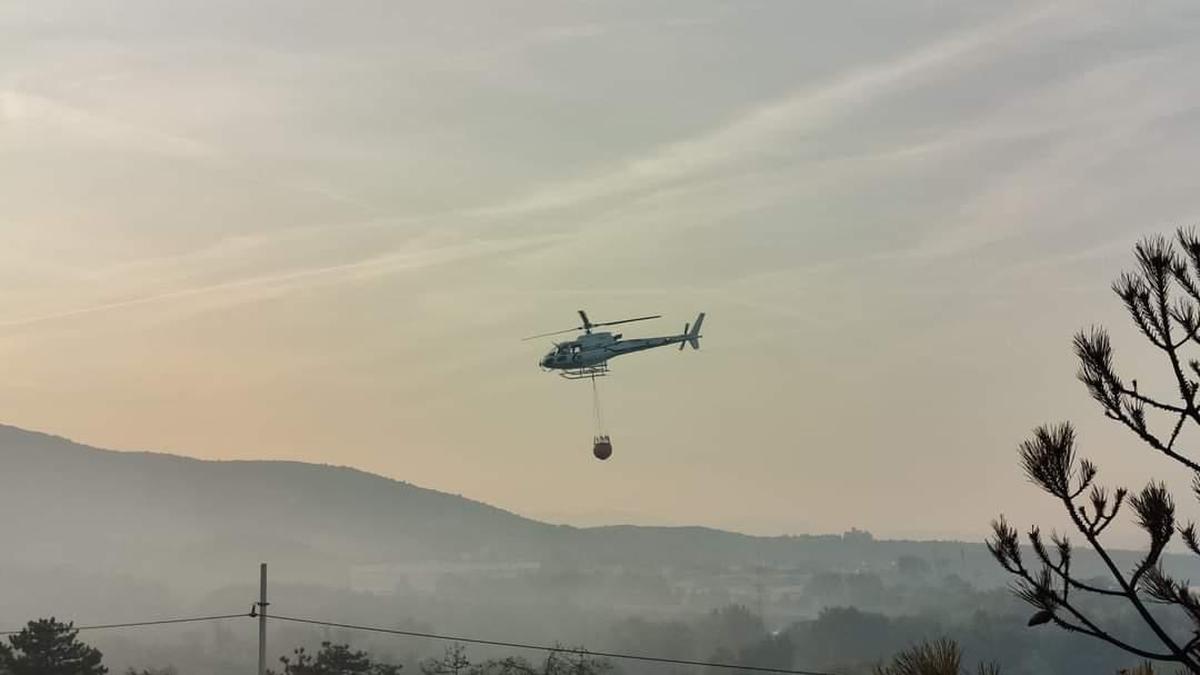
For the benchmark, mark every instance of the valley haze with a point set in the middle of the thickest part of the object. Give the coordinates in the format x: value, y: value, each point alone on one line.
x: 104, y: 536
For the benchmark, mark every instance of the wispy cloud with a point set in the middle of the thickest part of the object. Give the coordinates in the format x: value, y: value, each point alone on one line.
x: 32, y: 118
x: 1106, y: 113
x: 756, y: 130
x: 255, y: 288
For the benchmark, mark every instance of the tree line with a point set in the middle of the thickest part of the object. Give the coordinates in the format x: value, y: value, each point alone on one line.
x: 53, y: 647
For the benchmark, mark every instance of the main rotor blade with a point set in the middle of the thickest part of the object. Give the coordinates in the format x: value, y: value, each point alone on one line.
x: 640, y: 318
x: 557, y: 332
x: 588, y: 325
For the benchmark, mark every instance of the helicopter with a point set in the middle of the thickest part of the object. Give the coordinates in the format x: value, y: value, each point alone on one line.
x: 587, y: 355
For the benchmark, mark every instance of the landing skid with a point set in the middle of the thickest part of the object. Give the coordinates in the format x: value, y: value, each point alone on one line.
x: 585, y: 373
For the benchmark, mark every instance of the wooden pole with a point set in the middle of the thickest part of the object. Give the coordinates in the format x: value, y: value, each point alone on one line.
x: 262, y: 619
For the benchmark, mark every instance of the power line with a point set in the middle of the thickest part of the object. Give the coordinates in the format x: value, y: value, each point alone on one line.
x: 138, y: 624
x: 544, y: 648
x: 448, y: 638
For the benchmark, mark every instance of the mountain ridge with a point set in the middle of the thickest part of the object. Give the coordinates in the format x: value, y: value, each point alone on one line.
x: 158, y: 515
x: 68, y: 444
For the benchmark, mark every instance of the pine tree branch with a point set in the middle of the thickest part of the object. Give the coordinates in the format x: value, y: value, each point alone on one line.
x: 1129, y: 591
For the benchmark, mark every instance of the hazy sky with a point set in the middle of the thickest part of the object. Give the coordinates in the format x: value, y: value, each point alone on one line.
x: 317, y: 231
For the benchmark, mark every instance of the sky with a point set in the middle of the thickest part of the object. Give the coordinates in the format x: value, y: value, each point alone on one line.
x: 315, y: 231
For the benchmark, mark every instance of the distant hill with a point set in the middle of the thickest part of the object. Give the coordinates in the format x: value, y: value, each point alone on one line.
x: 157, y: 516
x: 138, y: 512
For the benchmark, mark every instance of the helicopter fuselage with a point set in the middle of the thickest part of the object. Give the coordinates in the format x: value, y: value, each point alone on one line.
x: 593, y: 350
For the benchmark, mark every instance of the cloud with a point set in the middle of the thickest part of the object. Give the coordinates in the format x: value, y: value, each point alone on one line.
x: 38, y: 119
x: 1011, y: 161
x: 1106, y: 113
x: 255, y: 288
x: 756, y: 130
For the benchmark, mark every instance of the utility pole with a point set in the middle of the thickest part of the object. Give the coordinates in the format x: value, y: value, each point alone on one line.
x: 262, y: 619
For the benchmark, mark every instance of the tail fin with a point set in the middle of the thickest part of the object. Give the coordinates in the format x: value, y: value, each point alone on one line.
x: 693, y: 335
